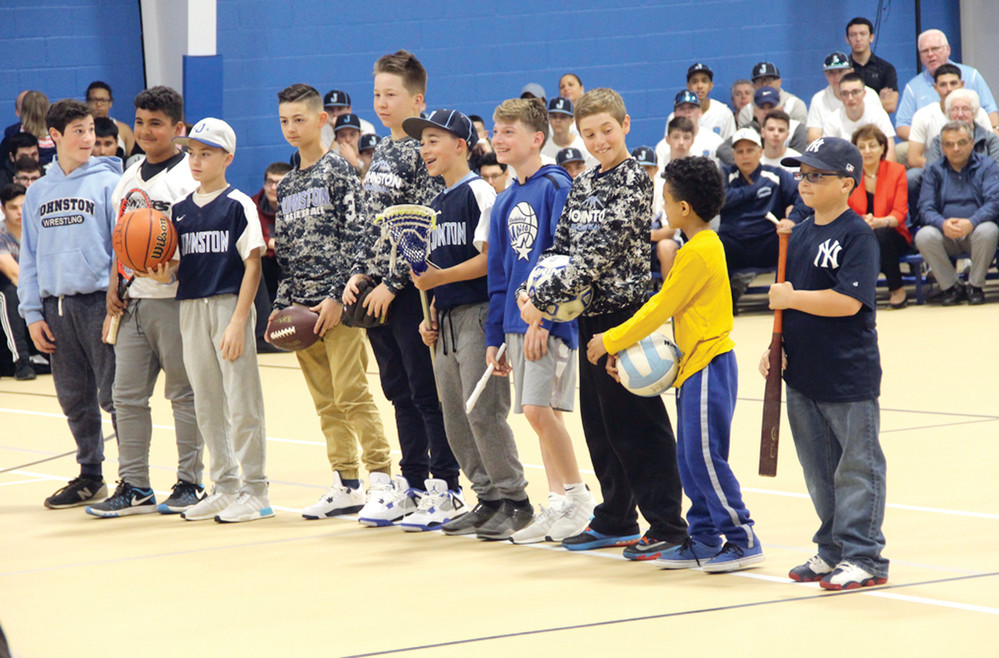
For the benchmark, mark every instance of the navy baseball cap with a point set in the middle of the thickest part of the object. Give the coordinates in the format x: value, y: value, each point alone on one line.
x: 368, y: 142
x: 765, y: 70
x: 645, y: 156
x: 452, y: 121
x: 347, y: 121
x: 336, y: 98
x: 560, y: 105
x: 569, y: 154
x: 836, y: 61
x: 700, y: 68
x: 766, y: 95
x: 686, y: 96
x: 831, y: 154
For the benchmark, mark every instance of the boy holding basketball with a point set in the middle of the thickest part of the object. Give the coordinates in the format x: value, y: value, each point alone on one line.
x: 833, y: 369
x: 605, y: 230
x: 696, y: 295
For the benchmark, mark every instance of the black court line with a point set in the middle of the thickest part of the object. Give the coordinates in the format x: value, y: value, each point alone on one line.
x: 38, y: 395
x: 667, y: 615
x: 48, y: 459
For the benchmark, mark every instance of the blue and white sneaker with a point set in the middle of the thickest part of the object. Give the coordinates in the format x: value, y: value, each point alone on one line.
x: 389, y: 500
x: 437, y: 506
x: 125, y: 501
x: 688, y: 555
x: 246, y: 507
x: 733, y: 558
x: 185, y: 495
x: 589, y: 539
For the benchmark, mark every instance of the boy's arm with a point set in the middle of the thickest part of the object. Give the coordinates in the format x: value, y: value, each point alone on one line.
x: 826, y: 303
x: 476, y: 266
x: 496, y: 279
x: 232, y: 338
x: 29, y: 297
x: 9, y: 268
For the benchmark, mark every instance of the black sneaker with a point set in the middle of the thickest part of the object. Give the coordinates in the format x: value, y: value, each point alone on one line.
x: 24, y: 372
x: 79, y: 491
x: 953, y: 295
x: 125, y: 501
x: 976, y: 296
x: 647, y: 548
x: 508, y: 519
x: 184, y: 495
x: 468, y: 524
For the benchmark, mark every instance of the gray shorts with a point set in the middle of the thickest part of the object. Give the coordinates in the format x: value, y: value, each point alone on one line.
x: 547, y: 382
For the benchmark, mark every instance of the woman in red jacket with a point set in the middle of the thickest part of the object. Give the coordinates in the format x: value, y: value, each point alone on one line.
x: 883, y: 201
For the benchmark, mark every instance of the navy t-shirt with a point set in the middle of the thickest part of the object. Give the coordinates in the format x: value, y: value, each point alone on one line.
x: 834, y: 359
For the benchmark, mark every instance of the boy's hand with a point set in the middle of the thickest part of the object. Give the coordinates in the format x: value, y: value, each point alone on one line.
x: 352, y: 288
x: 595, y: 349
x: 348, y: 152
x: 535, y: 342
x: 611, y: 367
x: 431, y: 278
x: 162, y: 273
x: 785, y: 226
x: 765, y: 362
x: 115, y: 306
x: 528, y: 312
x: 232, y: 342
x: 781, y: 295
x: 270, y: 318
x: 429, y: 334
x: 378, y: 300
x: 330, y: 313
x: 501, y: 367
x: 42, y: 336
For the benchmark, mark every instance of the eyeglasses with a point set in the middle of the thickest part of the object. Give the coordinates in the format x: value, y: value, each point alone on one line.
x: 814, y: 176
x: 270, y: 182
x: 932, y: 50
x: 26, y: 179
x: 493, y: 177
x: 98, y: 101
x: 850, y: 93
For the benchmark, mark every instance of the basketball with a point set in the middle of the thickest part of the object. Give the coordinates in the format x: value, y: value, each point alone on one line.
x: 143, y: 239
x: 566, y: 311
x: 292, y: 328
x: 649, y: 367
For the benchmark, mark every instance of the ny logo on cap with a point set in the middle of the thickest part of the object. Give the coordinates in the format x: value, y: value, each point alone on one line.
x: 814, y: 146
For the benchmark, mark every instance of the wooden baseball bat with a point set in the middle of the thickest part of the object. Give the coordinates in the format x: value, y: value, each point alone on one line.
x: 770, y: 436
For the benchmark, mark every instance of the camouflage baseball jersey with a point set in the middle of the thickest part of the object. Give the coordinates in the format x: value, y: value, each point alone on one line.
x: 320, y: 217
x: 397, y: 175
x: 604, y: 228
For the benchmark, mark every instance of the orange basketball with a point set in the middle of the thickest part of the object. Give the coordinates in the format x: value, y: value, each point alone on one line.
x: 143, y: 239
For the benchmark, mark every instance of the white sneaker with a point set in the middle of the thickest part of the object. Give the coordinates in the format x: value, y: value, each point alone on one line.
x: 576, y: 515
x: 543, y: 521
x: 209, y: 507
x: 389, y: 500
x: 848, y: 575
x: 437, y: 506
x: 337, y: 500
x: 246, y: 507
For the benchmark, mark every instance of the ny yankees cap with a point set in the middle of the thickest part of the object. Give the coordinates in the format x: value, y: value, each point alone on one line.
x: 836, y: 61
x: 747, y: 134
x: 368, y: 142
x: 452, y: 121
x: 347, y: 121
x: 686, y: 96
x: 831, y: 154
x: 645, y: 156
x: 560, y: 105
x: 568, y: 155
x: 213, y: 132
x: 766, y: 95
x: 700, y: 68
x: 336, y: 98
x: 765, y: 70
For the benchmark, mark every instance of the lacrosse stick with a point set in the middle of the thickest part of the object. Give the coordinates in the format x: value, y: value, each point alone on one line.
x: 134, y: 199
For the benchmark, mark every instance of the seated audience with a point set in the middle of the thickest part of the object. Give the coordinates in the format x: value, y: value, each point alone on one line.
x: 106, y: 138
x: 19, y: 145
x: 15, y: 331
x: 741, y: 95
x: 570, y: 159
x: 877, y: 73
x: 766, y: 74
x: 927, y: 121
x: 776, y: 128
x: 856, y: 112
x: 494, y: 172
x: 962, y: 105
x: 715, y: 115
x: 561, y: 123
x: 827, y: 101
x: 765, y: 100
x: 706, y: 143
x: 100, y: 100
x: 570, y: 86
x: 33, y: 110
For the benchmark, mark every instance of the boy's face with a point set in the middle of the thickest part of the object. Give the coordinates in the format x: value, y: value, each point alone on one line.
x: 348, y: 136
x: 99, y: 102
x: 393, y: 102
x: 676, y: 212
x: 946, y: 83
x: 852, y: 94
x: 301, y: 124
x: 270, y: 187
x: 860, y: 38
x: 440, y: 150
x: 207, y: 163
x: 154, y: 132
x: 747, y: 156
x: 833, y: 77
x: 105, y: 146
x: 574, y: 168
x: 605, y: 138
x: 679, y: 142
x: 828, y: 192
x: 26, y: 178
x: 30, y: 151
x: 775, y: 132
x: 76, y: 144
x: 514, y: 142
x: 560, y: 122
x: 12, y: 210
x: 494, y: 175
x: 701, y: 85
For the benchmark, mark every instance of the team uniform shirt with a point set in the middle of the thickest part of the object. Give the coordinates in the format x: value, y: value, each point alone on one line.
x: 824, y: 104
x: 775, y: 162
x: 927, y: 122
x: 462, y: 230
x: 319, y: 221
x: 551, y: 149
x: 919, y: 92
x: 706, y: 143
x: 834, y: 359
x: 397, y: 175
x: 215, y: 232
x: 790, y: 103
x: 604, y: 229
x: 839, y: 125
x: 746, y: 204
x: 164, y: 183
x: 522, y: 226
x: 8, y: 243
x: 877, y: 73
x: 698, y: 296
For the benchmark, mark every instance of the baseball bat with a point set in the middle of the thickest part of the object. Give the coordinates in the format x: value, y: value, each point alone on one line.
x: 770, y: 436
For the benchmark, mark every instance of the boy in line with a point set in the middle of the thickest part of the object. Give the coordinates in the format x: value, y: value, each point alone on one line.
x: 320, y: 216
x: 149, y: 338
x: 696, y: 296
x: 542, y: 357
x: 398, y: 175
x: 833, y: 369
x: 605, y: 230
x: 68, y: 217
x: 481, y: 440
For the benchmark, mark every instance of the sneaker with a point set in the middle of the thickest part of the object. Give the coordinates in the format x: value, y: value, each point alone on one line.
x: 508, y: 519
x: 209, y: 507
x: 810, y: 571
x: 538, y: 529
x: 80, y: 491
x: 437, y: 506
x: 848, y: 575
x: 125, y: 501
x: 576, y: 515
x: 24, y: 372
x: 589, y: 539
x: 733, y: 558
x: 337, y: 500
x: 246, y: 507
x: 389, y: 500
x: 976, y: 296
x: 647, y: 548
x: 689, y: 554
x: 184, y: 496
x: 468, y: 524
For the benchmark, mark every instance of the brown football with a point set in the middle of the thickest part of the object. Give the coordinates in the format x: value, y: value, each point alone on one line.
x: 291, y: 328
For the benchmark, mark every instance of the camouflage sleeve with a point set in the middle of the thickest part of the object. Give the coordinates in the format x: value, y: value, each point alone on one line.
x: 353, y: 217
x: 283, y: 296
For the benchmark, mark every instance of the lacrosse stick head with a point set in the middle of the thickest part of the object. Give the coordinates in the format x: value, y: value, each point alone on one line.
x: 407, y: 228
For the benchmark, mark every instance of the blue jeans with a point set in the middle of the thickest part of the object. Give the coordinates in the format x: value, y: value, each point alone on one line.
x: 839, y: 451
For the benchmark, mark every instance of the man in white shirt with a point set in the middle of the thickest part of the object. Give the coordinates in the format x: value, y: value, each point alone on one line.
x: 855, y: 113
x: 776, y: 127
x: 560, y: 121
x: 927, y: 121
x: 706, y: 142
x: 827, y: 101
x: 715, y: 115
x: 766, y: 74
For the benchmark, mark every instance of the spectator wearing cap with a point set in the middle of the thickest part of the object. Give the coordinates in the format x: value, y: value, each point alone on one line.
x: 877, y: 73
x: 776, y: 127
x: 347, y: 133
x: 856, y: 112
x: 927, y: 121
x: 934, y: 51
x: 715, y: 116
x: 572, y: 160
x: 827, y: 101
x: 534, y: 90
x: 741, y: 95
x: 765, y: 100
x: 646, y: 157
x: 766, y: 74
x: 706, y: 142
x: 560, y: 121
x: 335, y: 103
x: 366, y: 148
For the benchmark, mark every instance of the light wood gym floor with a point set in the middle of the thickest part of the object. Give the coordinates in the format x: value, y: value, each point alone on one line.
x: 151, y: 585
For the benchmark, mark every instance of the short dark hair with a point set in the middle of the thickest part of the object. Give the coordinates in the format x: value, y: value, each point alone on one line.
x: 778, y: 114
x: 99, y: 84
x: 105, y: 127
x: 404, y: 64
x: 698, y: 181
x: 683, y: 124
x: 10, y: 192
x: 859, y: 20
x: 161, y: 99
x: 26, y: 163
x: 946, y: 69
x: 475, y: 117
x: 21, y: 141
x: 277, y: 168
x: 301, y: 93
x: 64, y: 112
x: 490, y: 159
x: 851, y: 77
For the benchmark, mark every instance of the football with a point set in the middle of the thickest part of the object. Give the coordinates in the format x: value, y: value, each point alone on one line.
x: 568, y: 310
x: 649, y: 367
x: 291, y: 328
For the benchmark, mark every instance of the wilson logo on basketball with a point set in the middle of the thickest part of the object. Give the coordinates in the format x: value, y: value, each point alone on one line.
x: 160, y: 242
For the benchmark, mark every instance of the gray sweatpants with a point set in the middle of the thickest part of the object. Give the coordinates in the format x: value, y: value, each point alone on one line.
x: 481, y: 441
x: 149, y: 340
x: 227, y: 394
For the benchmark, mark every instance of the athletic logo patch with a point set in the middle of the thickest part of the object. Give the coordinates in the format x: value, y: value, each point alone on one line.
x: 828, y: 253
x: 522, y: 225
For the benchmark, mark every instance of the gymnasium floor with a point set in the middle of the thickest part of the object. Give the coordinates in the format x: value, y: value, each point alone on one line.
x: 73, y: 585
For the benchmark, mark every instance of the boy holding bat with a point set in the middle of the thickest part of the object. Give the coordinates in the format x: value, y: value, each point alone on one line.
x: 833, y: 369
